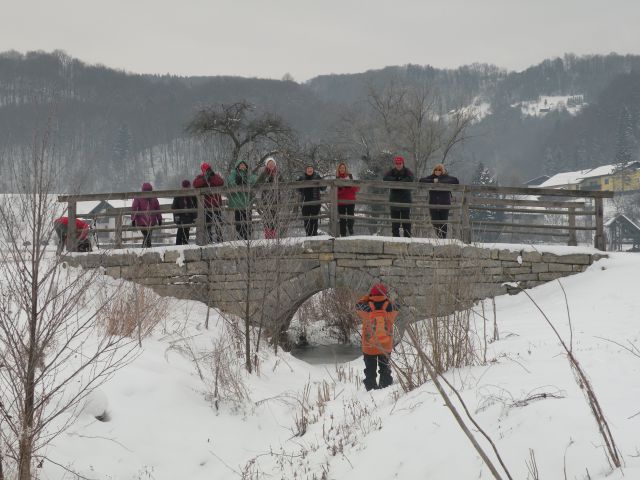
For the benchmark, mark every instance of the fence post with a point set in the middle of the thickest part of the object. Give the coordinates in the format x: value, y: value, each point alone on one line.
x: 465, y: 218
x: 333, y: 210
x: 118, y: 239
x: 573, y: 240
x: 201, y: 224
x: 72, y: 241
x: 599, y: 241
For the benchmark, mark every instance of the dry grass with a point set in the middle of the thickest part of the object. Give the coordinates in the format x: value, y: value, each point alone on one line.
x: 133, y: 312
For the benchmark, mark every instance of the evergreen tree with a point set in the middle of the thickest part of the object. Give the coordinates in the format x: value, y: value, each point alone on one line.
x: 626, y: 144
x: 483, y: 176
x: 120, y: 168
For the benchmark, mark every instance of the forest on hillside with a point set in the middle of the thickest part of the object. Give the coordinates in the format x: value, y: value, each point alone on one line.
x: 111, y: 130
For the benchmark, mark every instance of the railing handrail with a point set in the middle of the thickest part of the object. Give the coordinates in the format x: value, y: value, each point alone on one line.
x: 570, y: 204
x: 296, y: 185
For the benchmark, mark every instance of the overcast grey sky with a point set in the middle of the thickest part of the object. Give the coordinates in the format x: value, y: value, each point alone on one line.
x: 267, y: 38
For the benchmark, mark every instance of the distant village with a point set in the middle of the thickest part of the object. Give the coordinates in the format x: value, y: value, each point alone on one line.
x: 623, y: 215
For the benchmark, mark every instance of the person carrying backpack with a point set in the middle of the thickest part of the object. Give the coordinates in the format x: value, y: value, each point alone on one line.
x: 378, y: 314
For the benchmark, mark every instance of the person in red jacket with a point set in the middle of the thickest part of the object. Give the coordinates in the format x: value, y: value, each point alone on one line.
x: 348, y: 194
x: 212, y: 201
x: 61, y: 227
x: 378, y: 315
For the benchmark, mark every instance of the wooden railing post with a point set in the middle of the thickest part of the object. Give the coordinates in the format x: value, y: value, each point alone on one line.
x: 334, y: 220
x: 201, y: 224
x: 465, y: 218
x: 118, y: 232
x: 72, y: 240
x: 599, y: 241
x: 573, y: 240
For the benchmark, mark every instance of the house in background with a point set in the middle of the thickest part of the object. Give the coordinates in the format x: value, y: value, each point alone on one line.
x: 623, y: 231
x: 604, y: 178
x: 613, y: 179
x: 534, y: 182
x: 96, y: 210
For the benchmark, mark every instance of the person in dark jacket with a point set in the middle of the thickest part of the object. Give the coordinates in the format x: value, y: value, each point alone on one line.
x: 348, y: 194
x: 270, y: 199
x: 241, y: 202
x: 212, y: 201
x: 308, y: 195
x: 146, y: 215
x: 399, y: 173
x: 439, y: 216
x: 184, y: 218
x: 378, y: 315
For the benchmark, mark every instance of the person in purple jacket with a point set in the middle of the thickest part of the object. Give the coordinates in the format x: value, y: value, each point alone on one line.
x: 145, y: 213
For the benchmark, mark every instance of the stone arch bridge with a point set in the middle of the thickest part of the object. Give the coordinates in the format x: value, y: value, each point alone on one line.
x: 269, y: 280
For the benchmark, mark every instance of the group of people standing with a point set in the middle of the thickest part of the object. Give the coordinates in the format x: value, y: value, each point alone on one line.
x: 401, y: 197
x: 146, y: 211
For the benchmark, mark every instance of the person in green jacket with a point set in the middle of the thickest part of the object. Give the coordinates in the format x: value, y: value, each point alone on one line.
x: 241, y: 201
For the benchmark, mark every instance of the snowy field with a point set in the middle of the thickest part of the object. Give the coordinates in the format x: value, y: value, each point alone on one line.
x: 162, y: 422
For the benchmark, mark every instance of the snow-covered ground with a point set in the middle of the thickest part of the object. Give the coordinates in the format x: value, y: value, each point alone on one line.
x: 162, y: 423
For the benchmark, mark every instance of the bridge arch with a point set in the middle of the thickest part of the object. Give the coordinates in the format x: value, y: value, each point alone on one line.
x: 273, y: 279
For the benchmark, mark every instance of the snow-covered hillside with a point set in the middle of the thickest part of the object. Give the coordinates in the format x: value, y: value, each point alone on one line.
x: 547, y: 103
x: 162, y: 422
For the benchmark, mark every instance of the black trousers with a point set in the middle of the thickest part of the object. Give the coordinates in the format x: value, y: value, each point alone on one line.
x: 243, y: 225
x: 213, y: 219
x: 442, y: 215
x: 346, y: 223
x: 182, y: 236
x: 310, y: 224
x: 401, y: 213
x: 373, y: 363
x: 146, y: 237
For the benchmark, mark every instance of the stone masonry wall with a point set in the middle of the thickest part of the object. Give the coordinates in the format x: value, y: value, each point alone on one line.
x: 283, y: 276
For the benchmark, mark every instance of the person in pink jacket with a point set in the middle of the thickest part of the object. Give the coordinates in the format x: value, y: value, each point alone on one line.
x: 146, y: 214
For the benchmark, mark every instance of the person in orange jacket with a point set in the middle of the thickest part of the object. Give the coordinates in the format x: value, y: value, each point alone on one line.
x: 378, y: 314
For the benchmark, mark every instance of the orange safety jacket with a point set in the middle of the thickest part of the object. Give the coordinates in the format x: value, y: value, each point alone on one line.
x: 378, y: 316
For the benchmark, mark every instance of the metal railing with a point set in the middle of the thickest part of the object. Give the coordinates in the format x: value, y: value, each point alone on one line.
x: 477, y: 213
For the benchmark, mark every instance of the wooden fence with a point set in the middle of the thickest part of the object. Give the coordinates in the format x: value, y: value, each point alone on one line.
x: 477, y: 213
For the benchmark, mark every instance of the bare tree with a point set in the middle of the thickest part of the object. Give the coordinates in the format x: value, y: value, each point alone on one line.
x: 407, y: 119
x: 53, y: 352
x: 238, y: 124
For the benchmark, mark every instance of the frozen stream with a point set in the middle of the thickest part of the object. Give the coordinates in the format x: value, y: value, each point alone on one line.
x: 327, y: 354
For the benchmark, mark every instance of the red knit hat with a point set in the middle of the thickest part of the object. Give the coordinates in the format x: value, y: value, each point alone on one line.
x: 378, y: 290
x: 398, y: 160
x: 204, y: 167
